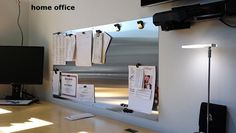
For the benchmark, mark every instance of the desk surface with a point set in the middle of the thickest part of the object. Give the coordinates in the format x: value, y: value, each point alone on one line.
x: 56, y: 115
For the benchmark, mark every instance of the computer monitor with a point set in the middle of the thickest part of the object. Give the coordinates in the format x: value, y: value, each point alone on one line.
x: 21, y: 65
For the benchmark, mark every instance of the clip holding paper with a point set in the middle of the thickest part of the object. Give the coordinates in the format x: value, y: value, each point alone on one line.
x: 83, y: 32
x: 138, y: 64
x: 69, y: 35
x: 57, y: 33
x: 98, y: 32
x: 117, y: 27
x: 85, y: 86
x: 55, y: 70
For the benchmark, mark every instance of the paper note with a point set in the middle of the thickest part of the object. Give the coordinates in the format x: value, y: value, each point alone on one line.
x: 69, y: 85
x: 58, y: 50
x: 70, y: 47
x: 97, y: 48
x: 56, y: 83
x: 141, y: 88
x: 83, y: 48
x: 86, y: 92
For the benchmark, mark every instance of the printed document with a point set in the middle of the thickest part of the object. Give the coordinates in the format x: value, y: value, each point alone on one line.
x: 56, y: 83
x: 70, y: 47
x: 69, y: 85
x: 142, y: 81
x: 83, y: 48
x: 97, y: 48
x: 86, y: 92
x: 58, y: 48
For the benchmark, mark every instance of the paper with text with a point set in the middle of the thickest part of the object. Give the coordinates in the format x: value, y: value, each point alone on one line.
x: 141, y: 95
x: 69, y: 85
x: 83, y: 48
x: 70, y: 47
x: 56, y: 88
x: 58, y: 49
x: 97, y: 48
x: 86, y: 93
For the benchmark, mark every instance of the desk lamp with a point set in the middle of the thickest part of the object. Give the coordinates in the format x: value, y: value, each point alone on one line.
x: 209, y: 46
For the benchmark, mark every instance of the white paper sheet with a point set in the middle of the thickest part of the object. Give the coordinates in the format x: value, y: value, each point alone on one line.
x: 56, y: 83
x: 141, y: 98
x: 69, y: 85
x: 83, y: 48
x: 70, y: 47
x: 58, y: 50
x: 55, y: 49
x: 86, y: 93
x: 61, y: 51
x: 106, y: 42
x: 97, y: 48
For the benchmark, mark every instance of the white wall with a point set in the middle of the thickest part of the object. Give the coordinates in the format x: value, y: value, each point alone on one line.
x: 9, y: 32
x: 183, y: 73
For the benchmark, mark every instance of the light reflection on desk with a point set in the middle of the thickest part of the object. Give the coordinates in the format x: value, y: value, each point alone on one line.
x: 4, y: 111
x: 31, y: 123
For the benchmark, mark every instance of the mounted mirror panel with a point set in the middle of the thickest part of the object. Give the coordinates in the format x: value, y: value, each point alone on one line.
x: 130, y: 45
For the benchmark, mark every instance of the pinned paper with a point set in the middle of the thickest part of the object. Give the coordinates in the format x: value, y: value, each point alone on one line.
x: 83, y: 48
x: 97, y: 48
x: 56, y: 83
x: 86, y: 93
x: 63, y: 49
x: 141, y: 92
x: 70, y: 47
x: 69, y: 85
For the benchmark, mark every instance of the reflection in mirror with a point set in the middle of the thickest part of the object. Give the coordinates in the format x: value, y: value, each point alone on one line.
x: 130, y: 45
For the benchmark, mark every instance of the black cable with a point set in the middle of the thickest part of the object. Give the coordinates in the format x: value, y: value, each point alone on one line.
x: 18, y: 23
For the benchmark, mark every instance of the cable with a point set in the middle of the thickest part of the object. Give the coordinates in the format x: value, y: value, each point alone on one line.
x: 18, y: 23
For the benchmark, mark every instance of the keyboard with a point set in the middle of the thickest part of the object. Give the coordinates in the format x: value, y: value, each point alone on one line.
x: 15, y: 102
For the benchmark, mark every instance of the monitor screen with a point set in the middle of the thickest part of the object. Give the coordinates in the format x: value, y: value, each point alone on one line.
x: 21, y: 65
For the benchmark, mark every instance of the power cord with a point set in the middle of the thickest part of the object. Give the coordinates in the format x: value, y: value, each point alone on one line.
x: 18, y: 22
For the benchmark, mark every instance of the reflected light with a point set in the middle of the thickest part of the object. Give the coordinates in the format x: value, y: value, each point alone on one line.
x: 113, y: 101
x: 111, y: 92
x: 199, y: 46
x: 4, y: 111
x: 32, y: 123
x: 155, y: 112
x: 83, y: 132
